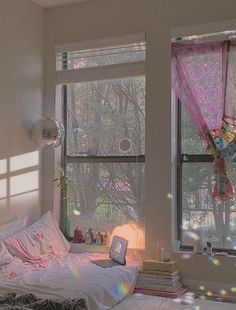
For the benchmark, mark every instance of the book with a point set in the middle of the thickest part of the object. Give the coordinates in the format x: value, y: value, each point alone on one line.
x: 159, y: 282
x: 159, y: 287
x: 152, y: 264
x: 173, y: 295
x: 150, y: 276
x: 159, y: 272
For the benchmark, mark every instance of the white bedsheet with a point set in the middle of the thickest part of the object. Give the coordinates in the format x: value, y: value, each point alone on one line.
x: 73, y: 276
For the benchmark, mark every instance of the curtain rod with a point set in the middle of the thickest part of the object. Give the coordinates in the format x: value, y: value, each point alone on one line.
x: 217, y: 36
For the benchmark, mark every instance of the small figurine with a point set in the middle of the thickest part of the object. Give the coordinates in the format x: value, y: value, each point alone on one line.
x: 99, y: 238
x: 106, y: 238
x: 209, y: 248
x: 89, y: 236
x: 78, y: 236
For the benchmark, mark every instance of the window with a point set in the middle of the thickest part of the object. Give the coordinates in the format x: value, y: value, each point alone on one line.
x: 103, y: 86
x: 198, y: 213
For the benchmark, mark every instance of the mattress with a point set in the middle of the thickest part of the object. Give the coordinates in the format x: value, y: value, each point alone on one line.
x: 73, y: 276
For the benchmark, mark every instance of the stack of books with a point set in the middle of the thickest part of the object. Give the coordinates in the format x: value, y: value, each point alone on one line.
x: 160, y: 279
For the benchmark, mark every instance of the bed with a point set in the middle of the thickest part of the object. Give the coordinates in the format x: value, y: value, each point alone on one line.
x: 72, y: 276
x: 36, y: 260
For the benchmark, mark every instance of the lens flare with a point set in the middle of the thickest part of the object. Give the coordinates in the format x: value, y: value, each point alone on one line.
x: 185, y: 225
x: 202, y: 288
x: 188, y: 298
x: 169, y: 195
x: 233, y: 289
x: 209, y: 293
x: 215, y: 261
x: 202, y: 297
x: 232, y: 223
x: 192, y: 235
x: 186, y: 256
x: 122, y: 289
x: 76, y: 212
x: 223, y: 292
x: 75, y: 271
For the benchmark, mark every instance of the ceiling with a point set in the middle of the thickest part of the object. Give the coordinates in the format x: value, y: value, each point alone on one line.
x: 55, y: 3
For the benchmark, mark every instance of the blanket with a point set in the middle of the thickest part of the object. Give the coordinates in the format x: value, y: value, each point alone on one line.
x: 11, y: 301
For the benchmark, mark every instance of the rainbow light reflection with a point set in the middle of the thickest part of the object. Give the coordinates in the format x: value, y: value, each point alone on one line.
x: 215, y: 261
x: 122, y: 289
x: 74, y: 271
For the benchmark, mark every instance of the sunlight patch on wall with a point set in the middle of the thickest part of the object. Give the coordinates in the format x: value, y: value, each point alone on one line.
x: 24, y: 161
x: 24, y: 183
x: 3, y: 166
x: 3, y: 205
x: 23, y: 203
x: 3, y: 188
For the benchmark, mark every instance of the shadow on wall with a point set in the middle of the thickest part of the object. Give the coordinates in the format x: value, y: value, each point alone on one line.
x: 19, y: 186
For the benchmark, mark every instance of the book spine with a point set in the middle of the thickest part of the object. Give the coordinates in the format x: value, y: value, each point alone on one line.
x: 158, y: 278
x: 158, y: 287
x: 161, y: 293
x: 160, y: 267
x: 155, y: 282
x: 159, y: 273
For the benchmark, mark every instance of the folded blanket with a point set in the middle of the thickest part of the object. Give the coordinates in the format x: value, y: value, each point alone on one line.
x: 11, y: 301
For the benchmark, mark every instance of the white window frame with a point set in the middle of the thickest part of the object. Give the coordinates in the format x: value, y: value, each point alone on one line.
x: 105, y: 72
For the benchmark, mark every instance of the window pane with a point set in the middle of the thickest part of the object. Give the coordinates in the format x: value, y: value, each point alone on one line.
x: 106, y: 117
x: 104, y: 195
x: 190, y: 140
x: 101, y: 56
x: 200, y: 213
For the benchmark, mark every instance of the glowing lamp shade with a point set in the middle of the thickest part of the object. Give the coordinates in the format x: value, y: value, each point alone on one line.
x: 132, y: 233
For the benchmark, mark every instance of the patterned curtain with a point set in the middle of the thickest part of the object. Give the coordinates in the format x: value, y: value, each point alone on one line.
x: 204, y: 79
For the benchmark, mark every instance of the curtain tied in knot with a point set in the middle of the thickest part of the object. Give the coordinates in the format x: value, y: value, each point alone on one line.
x: 204, y: 79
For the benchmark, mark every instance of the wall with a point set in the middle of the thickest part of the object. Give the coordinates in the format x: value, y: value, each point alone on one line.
x: 104, y: 18
x: 21, y: 94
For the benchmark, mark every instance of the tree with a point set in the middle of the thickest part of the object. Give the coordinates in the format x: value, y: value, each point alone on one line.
x: 100, y: 115
x: 199, y: 209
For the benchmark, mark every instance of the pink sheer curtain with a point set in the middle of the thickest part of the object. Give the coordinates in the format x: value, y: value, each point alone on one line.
x: 204, y: 79
x: 230, y: 89
x: 197, y: 78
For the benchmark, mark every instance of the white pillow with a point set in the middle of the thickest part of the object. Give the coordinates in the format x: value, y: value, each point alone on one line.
x: 12, y: 227
x: 40, y: 242
x: 5, y: 256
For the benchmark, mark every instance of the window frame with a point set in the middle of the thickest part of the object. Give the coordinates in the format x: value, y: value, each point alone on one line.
x: 183, y: 158
x: 63, y: 78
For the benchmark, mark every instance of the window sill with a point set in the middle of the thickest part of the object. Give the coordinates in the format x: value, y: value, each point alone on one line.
x: 88, y: 248
x: 188, y: 254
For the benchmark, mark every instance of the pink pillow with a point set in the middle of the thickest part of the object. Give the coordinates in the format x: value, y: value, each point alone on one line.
x: 5, y: 256
x: 12, y: 227
x: 40, y: 242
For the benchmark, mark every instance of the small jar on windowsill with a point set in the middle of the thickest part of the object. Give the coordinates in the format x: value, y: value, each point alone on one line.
x: 198, y: 247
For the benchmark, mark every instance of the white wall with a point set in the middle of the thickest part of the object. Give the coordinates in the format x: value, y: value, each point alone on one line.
x: 21, y: 94
x: 104, y: 18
